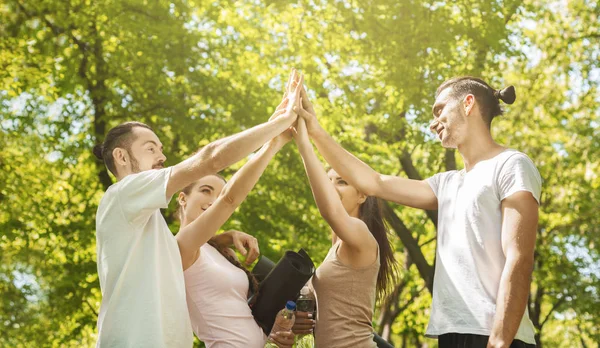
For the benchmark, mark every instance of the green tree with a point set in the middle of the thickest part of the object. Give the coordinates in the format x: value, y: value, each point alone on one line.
x: 198, y: 70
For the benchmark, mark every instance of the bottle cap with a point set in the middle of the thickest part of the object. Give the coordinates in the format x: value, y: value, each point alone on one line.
x: 305, y: 291
x: 290, y: 305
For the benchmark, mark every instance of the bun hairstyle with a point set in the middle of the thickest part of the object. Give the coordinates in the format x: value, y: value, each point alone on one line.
x: 119, y: 136
x: 97, y: 150
x: 507, y: 95
x: 488, y: 99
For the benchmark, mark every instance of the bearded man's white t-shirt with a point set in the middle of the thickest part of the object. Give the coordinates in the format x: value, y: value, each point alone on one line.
x: 469, y: 256
x: 139, y: 266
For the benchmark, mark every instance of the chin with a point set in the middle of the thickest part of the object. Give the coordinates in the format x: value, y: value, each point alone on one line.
x: 448, y: 146
x: 447, y: 143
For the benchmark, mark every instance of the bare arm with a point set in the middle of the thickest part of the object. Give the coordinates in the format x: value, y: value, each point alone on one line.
x: 352, y: 231
x: 412, y: 193
x: 519, y: 228
x: 222, y: 153
x: 193, y: 236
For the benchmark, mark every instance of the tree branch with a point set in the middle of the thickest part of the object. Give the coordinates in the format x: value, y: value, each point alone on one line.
x: 411, y: 245
x: 91, y: 307
x: 554, y: 307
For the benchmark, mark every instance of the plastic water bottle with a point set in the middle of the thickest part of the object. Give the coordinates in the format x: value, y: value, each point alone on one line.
x: 284, y: 320
x: 305, y: 303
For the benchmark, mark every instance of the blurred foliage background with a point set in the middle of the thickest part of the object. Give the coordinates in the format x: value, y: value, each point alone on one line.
x: 199, y: 70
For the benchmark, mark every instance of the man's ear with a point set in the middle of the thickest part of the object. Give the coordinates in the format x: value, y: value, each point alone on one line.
x: 468, y: 104
x: 120, y: 157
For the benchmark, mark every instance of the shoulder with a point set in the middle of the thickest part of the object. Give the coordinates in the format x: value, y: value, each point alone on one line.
x: 443, y: 177
x: 146, y: 175
x: 513, y: 161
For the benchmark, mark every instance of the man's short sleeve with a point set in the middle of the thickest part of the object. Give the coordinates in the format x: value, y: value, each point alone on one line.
x: 435, y: 183
x: 519, y: 174
x: 141, y: 194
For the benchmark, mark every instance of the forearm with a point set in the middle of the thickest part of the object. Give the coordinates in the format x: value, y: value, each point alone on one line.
x: 232, y: 149
x: 512, y: 301
x: 224, y: 239
x: 348, y: 166
x: 244, y: 180
x: 199, y: 231
x: 326, y: 197
x: 222, y: 153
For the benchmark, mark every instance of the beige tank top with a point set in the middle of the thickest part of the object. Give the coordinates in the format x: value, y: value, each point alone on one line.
x: 345, y: 301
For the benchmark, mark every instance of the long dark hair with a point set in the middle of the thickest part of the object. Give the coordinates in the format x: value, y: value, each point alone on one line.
x: 371, y: 213
x: 251, y: 278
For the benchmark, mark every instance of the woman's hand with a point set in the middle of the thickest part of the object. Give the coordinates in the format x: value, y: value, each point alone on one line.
x: 283, y: 339
x: 307, y: 112
x: 304, y: 323
x: 301, y: 134
x: 246, y: 245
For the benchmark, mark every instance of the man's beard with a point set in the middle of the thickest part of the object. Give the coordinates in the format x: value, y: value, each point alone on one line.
x: 135, y: 166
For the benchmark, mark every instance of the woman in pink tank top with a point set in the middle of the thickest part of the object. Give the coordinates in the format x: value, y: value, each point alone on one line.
x: 360, y: 264
x: 217, y: 284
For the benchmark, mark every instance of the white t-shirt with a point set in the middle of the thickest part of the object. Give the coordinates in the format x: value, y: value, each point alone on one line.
x: 139, y: 266
x: 469, y: 252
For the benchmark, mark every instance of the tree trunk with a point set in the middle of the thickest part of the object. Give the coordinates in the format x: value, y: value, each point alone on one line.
x: 411, y: 245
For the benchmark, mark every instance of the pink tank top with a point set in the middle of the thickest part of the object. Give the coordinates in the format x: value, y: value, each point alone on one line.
x: 216, y: 297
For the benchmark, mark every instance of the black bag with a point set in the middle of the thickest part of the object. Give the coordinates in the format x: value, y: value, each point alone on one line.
x: 282, y: 283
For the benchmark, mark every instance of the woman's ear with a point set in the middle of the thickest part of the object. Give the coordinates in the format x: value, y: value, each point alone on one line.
x: 362, y: 198
x: 181, y: 199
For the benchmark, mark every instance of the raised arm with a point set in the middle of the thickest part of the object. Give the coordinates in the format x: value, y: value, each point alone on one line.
x: 193, y: 236
x: 222, y: 153
x: 352, y: 231
x: 412, y: 193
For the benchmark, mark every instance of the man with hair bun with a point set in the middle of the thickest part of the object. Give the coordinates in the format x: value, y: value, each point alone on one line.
x: 487, y: 221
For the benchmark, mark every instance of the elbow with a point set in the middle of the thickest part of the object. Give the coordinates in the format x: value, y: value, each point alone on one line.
x: 230, y: 198
x: 370, y: 188
x: 210, y: 157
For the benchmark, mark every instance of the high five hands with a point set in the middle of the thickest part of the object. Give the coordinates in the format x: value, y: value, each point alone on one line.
x: 295, y: 101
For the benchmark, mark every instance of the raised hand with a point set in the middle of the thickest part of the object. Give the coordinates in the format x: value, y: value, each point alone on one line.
x: 307, y: 112
x: 301, y: 133
x: 294, y: 93
x: 290, y: 102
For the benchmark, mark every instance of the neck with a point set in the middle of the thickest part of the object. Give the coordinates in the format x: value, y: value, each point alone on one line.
x: 355, y: 213
x: 478, y: 146
x: 121, y: 174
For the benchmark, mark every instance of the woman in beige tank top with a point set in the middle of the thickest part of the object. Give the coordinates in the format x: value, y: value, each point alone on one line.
x: 360, y: 264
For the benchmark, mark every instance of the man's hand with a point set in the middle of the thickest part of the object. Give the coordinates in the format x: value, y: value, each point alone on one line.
x: 283, y: 339
x: 304, y: 323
